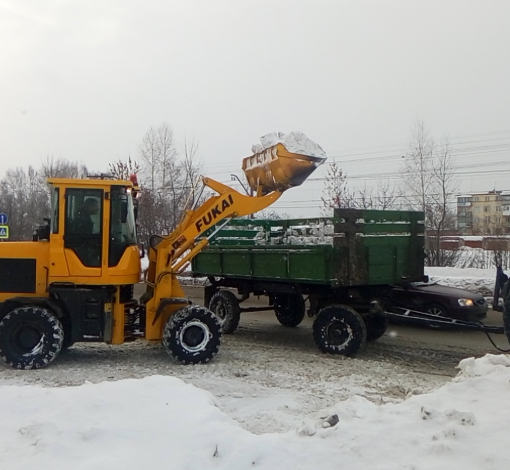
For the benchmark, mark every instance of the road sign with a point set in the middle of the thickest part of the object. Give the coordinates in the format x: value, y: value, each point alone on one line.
x: 4, y: 232
x: 3, y: 218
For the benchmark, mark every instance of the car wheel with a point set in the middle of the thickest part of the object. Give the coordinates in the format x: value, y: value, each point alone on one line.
x: 436, y: 310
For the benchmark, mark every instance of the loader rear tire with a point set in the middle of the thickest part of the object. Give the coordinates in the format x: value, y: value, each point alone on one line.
x: 192, y: 335
x: 31, y: 337
x: 225, y: 306
x: 289, y: 309
x: 339, y: 329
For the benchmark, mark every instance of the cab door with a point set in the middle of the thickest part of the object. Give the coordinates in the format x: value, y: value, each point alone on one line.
x: 83, y: 231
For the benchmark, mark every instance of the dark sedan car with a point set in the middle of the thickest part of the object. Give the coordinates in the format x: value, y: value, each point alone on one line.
x: 442, y: 301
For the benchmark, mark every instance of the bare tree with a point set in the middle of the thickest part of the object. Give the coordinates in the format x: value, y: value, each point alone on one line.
x: 271, y: 215
x: 25, y: 201
x: 151, y: 158
x: 428, y: 175
x: 168, y: 181
x: 52, y: 167
x: 382, y: 197
x: 364, y: 198
x: 123, y: 170
x: 386, y: 196
x: 336, y: 193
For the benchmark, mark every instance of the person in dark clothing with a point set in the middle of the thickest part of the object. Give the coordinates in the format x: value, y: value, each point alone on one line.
x: 83, y: 223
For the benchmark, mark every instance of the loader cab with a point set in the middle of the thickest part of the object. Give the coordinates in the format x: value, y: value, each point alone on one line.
x: 92, y: 232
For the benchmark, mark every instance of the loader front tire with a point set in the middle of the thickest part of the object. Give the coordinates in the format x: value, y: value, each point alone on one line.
x: 339, y: 329
x: 192, y: 335
x: 31, y: 337
x: 225, y: 306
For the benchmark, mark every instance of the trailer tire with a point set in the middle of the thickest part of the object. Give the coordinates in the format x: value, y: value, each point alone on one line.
x: 339, y: 329
x: 376, y: 326
x: 225, y: 306
x: 289, y: 309
x: 192, y: 335
x: 31, y: 337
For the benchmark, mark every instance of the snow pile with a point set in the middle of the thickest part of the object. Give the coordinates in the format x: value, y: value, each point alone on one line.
x: 294, y: 142
x: 467, y: 257
x: 163, y: 422
x: 476, y: 280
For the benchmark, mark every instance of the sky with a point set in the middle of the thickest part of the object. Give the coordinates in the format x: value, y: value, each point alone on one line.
x: 86, y: 80
x: 164, y: 422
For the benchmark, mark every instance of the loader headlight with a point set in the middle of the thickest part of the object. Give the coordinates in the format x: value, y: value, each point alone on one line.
x: 465, y: 302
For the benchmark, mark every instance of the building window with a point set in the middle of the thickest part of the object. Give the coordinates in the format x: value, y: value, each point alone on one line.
x: 487, y: 208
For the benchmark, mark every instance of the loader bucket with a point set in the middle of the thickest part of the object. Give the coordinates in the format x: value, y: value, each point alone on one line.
x: 277, y: 169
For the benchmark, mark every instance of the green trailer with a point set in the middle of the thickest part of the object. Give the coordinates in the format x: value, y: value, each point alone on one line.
x: 339, y: 269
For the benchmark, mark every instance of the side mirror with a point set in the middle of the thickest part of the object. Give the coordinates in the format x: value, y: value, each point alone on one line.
x: 41, y: 233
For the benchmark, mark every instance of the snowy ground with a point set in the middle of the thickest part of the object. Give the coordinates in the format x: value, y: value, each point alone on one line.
x: 264, y: 402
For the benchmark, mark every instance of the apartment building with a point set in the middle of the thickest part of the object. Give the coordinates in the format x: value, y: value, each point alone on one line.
x: 484, y: 213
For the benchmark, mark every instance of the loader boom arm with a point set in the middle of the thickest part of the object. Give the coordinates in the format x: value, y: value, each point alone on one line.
x: 174, y: 251
x: 227, y: 204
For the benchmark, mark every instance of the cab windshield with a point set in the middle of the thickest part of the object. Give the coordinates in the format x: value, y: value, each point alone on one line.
x: 122, y: 224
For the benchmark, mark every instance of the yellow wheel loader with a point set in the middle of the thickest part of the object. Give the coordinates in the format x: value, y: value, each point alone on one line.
x: 75, y: 281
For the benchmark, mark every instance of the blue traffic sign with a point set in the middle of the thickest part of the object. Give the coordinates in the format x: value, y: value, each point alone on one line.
x: 3, y: 219
x: 4, y: 232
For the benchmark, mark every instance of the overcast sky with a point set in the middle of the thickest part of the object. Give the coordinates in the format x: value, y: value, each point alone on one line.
x: 85, y: 80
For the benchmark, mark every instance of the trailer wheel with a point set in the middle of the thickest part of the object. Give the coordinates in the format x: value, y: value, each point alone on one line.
x: 225, y: 306
x: 339, y: 329
x: 289, y: 309
x: 376, y: 326
x: 192, y: 335
x: 31, y: 337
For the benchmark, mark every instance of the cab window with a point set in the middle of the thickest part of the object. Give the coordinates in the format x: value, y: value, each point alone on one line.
x: 122, y: 224
x: 84, y: 213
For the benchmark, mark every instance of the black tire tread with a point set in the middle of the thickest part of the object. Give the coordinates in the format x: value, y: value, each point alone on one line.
x: 376, y: 326
x: 339, y: 314
x: 289, y: 309
x: 177, y: 321
x: 230, y: 303
x: 34, y: 315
